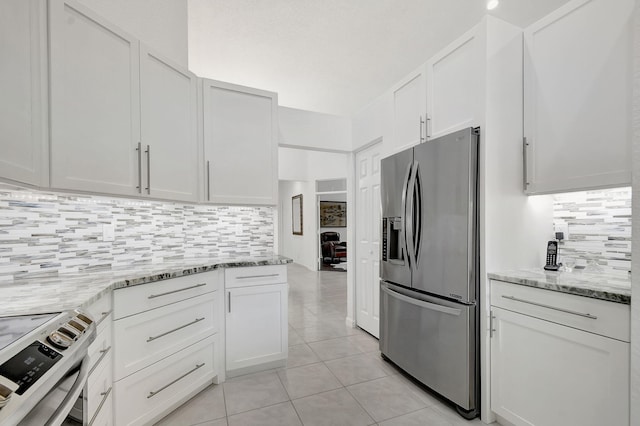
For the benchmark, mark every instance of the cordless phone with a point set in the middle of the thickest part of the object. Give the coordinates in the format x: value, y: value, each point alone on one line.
x: 552, y: 256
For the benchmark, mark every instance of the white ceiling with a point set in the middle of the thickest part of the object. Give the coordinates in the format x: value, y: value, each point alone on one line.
x: 332, y: 56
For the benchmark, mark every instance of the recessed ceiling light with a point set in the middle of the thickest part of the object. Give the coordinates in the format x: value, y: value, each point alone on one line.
x: 492, y: 4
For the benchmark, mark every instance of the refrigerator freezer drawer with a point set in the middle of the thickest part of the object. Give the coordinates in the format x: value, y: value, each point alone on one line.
x: 431, y: 339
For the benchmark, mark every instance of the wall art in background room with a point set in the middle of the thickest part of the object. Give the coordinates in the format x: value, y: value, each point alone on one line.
x: 333, y: 214
x: 296, y: 211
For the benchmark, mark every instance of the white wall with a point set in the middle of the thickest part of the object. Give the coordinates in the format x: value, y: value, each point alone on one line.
x: 161, y: 24
x: 305, y: 165
x: 635, y: 233
x: 314, y: 130
x: 300, y: 248
x: 368, y: 123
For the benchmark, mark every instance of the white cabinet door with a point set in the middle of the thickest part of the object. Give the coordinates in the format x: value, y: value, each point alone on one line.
x: 578, y: 64
x: 543, y: 373
x: 95, y: 102
x: 23, y: 104
x: 409, y: 111
x: 169, y: 123
x: 256, y: 325
x: 240, y: 144
x: 454, y: 84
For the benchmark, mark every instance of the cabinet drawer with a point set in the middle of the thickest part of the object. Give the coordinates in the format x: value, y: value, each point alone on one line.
x: 151, y: 393
x: 100, y: 310
x: 133, y: 300
x: 150, y: 336
x: 255, y: 275
x: 102, y: 346
x: 601, y: 317
x: 99, y: 387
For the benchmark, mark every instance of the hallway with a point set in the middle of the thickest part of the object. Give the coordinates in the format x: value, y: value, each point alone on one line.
x: 334, y: 374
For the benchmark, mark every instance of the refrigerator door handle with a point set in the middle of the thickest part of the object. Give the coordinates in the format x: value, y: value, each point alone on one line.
x: 410, y: 243
x: 417, y: 220
x: 405, y: 234
x: 422, y: 303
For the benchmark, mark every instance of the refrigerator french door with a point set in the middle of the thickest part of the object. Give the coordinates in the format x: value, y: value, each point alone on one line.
x: 429, y: 265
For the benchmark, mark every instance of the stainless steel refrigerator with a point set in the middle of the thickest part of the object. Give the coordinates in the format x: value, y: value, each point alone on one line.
x: 429, y: 266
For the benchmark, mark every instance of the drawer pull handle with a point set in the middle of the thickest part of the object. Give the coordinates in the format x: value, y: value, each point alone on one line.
x: 153, y: 296
x: 258, y: 276
x: 151, y: 339
x: 552, y: 307
x: 104, y: 353
x: 103, y: 317
x: 153, y: 393
x: 104, y: 396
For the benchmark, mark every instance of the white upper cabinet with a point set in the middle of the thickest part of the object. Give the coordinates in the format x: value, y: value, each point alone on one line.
x: 454, y: 84
x: 168, y: 126
x: 578, y: 88
x: 240, y: 144
x: 23, y: 77
x: 95, y: 102
x: 409, y: 110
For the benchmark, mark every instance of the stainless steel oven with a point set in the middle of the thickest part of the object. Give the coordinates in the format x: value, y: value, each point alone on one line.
x: 43, y: 367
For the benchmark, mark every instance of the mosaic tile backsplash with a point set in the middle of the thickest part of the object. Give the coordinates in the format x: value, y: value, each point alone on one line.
x: 599, y: 225
x: 44, y: 232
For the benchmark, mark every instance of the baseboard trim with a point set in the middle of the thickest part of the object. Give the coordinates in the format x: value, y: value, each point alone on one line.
x: 350, y: 322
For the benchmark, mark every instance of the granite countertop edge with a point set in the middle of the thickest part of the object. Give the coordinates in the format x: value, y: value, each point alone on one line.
x: 49, y: 293
x: 595, y: 286
x: 175, y: 273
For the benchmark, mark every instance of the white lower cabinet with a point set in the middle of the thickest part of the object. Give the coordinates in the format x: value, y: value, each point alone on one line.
x: 153, y: 335
x: 98, y: 392
x: 167, y: 345
x: 97, y: 395
x: 149, y: 394
x: 547, y: 373
x: 256, y: 319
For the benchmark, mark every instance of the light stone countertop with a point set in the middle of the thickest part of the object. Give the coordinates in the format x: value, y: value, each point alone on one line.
x: 597, y: 286
x: 52, y: 292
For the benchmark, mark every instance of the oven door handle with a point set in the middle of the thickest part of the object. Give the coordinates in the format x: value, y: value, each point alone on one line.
x: 65, y: 407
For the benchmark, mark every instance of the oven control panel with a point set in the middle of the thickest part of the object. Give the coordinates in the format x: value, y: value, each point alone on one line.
x: 37, y: 356
x: 25, y: 368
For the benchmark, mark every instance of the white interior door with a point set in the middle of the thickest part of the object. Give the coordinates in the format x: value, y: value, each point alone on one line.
x: 367, y: 263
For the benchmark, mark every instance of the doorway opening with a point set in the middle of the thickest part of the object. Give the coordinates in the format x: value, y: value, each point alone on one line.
x: 331, y: 211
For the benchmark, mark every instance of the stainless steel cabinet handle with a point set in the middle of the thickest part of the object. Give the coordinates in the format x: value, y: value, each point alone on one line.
x: 153, y: 393
x: 551, y: 307
x: 103, y: 317
x: 104, y: 353
x: 104, y: 396
x: 422, y: 303
x: 208, y: 180
x: 257, y: 276
x: 229, y: 298
x: 491, y: 329
x: 152, y: 338
x: 421, y: 124
x: 148, y: 152
x: 426, y: 128
x: 153, y: 296
x: 525, y: 174
x: 139, y: 149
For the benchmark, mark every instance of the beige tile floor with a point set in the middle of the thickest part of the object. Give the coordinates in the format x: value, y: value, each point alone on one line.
x: 334, y: 375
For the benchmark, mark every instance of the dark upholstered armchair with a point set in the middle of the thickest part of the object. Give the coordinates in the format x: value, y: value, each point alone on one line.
x: 333, y: 250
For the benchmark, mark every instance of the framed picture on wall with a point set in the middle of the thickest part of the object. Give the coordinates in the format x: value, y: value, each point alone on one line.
x: 296, y: 211
x: 333, y: 214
